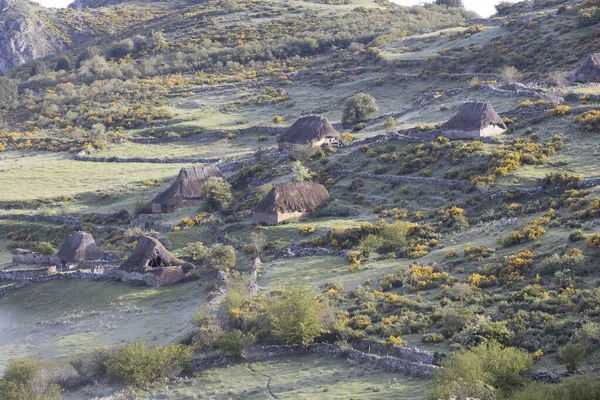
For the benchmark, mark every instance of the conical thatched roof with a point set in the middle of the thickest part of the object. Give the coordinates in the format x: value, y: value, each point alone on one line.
x: 79, y: 247
x: 149, y: 254
x: 590, y: 70
x: 474, y: 115
x: 308, y: 129
x: 294, y: 197
x: 187, y: 185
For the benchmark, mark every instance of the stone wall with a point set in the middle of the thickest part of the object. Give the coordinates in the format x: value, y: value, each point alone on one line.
x: 404, y: 179
x: 28, y: 257
x: 82, y: 157
x: 26, y: 274
x: 355, y: 356
x: 165, y: 277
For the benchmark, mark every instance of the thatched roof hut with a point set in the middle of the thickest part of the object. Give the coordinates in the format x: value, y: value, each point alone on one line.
x: 149, y: 255
x: 185, y: 190
x: 290, y: 200
x: 314, y: 130
x: 79, y: 247
x: 590, y: 70
x: 475, y: 119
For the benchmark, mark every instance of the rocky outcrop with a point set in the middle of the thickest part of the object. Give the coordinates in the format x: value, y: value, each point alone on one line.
x: 24, y: 34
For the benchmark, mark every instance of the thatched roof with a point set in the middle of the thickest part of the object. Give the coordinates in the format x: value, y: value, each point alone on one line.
x: 149, y: 254
x: 308, y: 129
x: 474, y: 115
x: 590, y: 70
x: 187, y: 185
x: 79, y: 247
x: 294, y: 197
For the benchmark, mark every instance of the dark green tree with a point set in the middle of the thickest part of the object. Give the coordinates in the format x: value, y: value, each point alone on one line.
x: 358, y: 108
x: 449, y: 3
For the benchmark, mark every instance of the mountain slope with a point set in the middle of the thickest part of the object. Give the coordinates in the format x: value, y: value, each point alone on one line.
x: 24, y: 34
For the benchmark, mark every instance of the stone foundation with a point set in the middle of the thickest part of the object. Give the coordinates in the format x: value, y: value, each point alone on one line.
x: 262, y: 218
x: 488, y: 131
x: 165, y: 277
x: 27, y: 257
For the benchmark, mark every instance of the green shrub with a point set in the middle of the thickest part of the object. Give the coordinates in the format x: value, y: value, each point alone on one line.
x: 295, y: 315
x: 217, y: 193
x: 394, y: 235
x: 358, y: 108
x: 45, y: 248
x: 8, y: 91
x: 572, y: 354
x: 578, y: 388
x: 576, y: 236
x: 573, y: 261
x: 222, y: 256
x: 197, y: 251
x: 28, y: 379
x: 503, y: 368
x: 231, y: 343
x: 138, y: 364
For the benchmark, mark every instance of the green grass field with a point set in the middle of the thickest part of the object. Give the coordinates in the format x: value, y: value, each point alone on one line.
x: 298, y: 377
x: 28, y: 175
x: 61, y: 320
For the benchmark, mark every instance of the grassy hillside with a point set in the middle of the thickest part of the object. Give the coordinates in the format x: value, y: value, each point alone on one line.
x: 428, y: 242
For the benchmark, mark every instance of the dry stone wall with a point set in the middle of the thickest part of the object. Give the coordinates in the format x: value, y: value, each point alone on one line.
x: 355, y: 356
x: 404, y: 179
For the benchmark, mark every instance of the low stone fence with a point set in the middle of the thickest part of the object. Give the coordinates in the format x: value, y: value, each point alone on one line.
x: 406, y: 353
x: 28, y: 257
x: 392, y: 363
x: 18, y: 285
x: 307, y: 251
x: 27, y: 274
x: 388, y: 363
x: 404, y: 179
x: 67, y: 220
x: 80, y: 157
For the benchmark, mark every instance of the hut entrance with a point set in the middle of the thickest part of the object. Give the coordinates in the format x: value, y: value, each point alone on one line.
x: 155, y: 262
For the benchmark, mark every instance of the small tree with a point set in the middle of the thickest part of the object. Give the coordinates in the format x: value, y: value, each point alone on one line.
x: 389, y: 125
x: 511, y: 75
x: 63, y: 64
x: 8, y: 91
x: 38, y: 68
x: 217, y: 193
x: 394, y: 235
x: 449, y: 3
x: 258, y: 240
x: 358, y: 108
x: 27, y: 379
x: 572, y: 355
x: 122, y: 48
x: 138, y: 364
x: 503, y: 368
x: 97, y: 132
x: 369, y: 244
x: 232, y: 343
x: 197, y: 251
x: 222, y: 256
x: 295, y: 316
x: 301, y: 173
x: 46, y: 248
